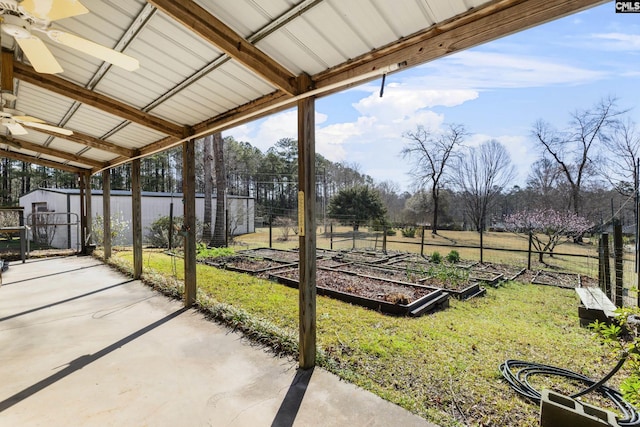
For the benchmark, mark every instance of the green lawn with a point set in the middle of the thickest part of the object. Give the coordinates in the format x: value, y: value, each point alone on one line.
x: 443, y: 366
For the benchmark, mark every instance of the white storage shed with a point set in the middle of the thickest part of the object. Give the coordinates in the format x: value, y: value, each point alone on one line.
x: 63, y: 208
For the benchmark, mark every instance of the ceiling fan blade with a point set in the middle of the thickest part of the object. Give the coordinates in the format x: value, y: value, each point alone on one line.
x: 39, y: 55
x: 94, y: 49
x: 14, y: 127
x: 45, y: 126
x: 28, y: 119
x: 52, y: 10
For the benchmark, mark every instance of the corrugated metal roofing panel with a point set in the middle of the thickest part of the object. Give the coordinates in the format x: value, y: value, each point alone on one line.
x: 229, y: 86
x: 41, y: 103
x: 135, y: 136
x: 94, y: 122
x: 168, y: 54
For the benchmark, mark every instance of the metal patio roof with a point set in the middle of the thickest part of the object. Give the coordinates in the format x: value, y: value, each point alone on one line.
x: 209, y: 65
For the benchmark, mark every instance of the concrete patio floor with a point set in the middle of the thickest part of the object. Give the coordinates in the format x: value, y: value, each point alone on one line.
x: 83, y: 345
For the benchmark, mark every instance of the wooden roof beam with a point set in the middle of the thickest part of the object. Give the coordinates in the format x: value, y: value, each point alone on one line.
x: 90, y: 141
x: 201, y: 22
x: 117, y: 108
x: 18, y: 143
x: 42, y: 162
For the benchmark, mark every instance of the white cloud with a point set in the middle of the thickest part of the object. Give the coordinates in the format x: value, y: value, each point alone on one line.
x: 492, y: 70
x: 618, y: 41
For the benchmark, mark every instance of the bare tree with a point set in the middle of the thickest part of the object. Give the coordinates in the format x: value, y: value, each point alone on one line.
x: 207, y: 144
x: 621, y: 169
x: 544, y: 179
x: 576, y: 149
x: 221, y: 187
x: 481, y: 174
x: 430, y: 153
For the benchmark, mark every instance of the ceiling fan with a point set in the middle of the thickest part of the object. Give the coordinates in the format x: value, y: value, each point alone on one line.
x: 21, y: 18
x: 13, y: 121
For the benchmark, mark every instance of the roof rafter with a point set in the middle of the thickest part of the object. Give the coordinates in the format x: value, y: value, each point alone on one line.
x: 197, y: 19
x: 112, y: 106
x: 92, y: 142
x: 16, y: 142
x: 42, y: 162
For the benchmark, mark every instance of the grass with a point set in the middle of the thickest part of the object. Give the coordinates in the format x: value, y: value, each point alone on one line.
x: 443, y: 367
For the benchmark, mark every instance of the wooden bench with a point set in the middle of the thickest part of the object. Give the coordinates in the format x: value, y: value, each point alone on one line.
x: 594, y: 305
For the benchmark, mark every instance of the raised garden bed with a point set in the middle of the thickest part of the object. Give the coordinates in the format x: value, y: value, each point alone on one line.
x: 378, y: 294
x: 362, y: 257
x: 552, y: 278
x: 489, y: 277
x: 272, y: 254
x: 458, y: 289
x: 244, y: 264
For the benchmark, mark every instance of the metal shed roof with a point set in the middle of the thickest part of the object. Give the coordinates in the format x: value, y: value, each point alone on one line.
x: 209, y: 65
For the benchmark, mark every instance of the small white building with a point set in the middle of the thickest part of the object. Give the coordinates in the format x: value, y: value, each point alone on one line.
x: 63, y: 209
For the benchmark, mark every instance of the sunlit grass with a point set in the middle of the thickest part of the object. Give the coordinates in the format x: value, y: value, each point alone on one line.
x: 442, y: 366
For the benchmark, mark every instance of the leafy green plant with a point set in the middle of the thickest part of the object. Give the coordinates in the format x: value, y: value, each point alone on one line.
x: 203, y: 252
x: 453, y: 257
x: 409, y: 232
x: 622, y: 339
x: 449, y: 274
x: 436, y: 258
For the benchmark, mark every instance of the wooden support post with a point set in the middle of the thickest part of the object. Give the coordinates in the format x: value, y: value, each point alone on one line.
x: 136, y: 218
x: 106, y: 212
x: 618, y: 252
x: 189, y: 224
x: 422, y: 242
x: 307, y: 231
x: 87, y: 178
x: 83, y: 215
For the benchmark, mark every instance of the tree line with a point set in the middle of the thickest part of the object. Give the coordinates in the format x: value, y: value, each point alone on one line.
x: 588, y: 167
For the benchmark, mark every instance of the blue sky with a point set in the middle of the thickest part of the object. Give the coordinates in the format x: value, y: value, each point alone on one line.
x: 497, y: 91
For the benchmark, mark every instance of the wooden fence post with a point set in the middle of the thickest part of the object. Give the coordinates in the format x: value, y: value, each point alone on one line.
x: 607, y: 267
x: 618, y: 254
x: 529, y: 252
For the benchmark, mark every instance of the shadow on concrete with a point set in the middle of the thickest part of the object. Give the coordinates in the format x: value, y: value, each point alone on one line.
x: 52, y: 274
x: 83, y: 361
x: 53, y: 304
x: 291, y: 404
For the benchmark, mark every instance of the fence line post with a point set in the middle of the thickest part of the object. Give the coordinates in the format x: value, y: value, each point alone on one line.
x: 422, y: 243
x: 270, y: 232
x: 618, y: 253
x: 607, y: 267
x: 353, y: 246
x: 384, y: 238
x: 601, y: 280
x: 481, y: 246
x: 529, y: 252
x: 331, y: 236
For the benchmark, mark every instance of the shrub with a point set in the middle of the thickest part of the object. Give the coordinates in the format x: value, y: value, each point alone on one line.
x: 409, y: 232
x: 453, y: 257
x: 436, y: 258
x: 158, y: 232
x: 391, y: 232
x: 118, y: 227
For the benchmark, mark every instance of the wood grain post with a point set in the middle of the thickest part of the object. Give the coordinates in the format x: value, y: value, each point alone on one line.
x: 87, y: 178
x: 106, y: 212
x: 618, y: 252
x: 83, y: 215
x: 136, y: 218
x: 307, y: 231
x: 189, y: 223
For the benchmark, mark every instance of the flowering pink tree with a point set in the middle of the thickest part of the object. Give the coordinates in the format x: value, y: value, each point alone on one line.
x: 548, y: 227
